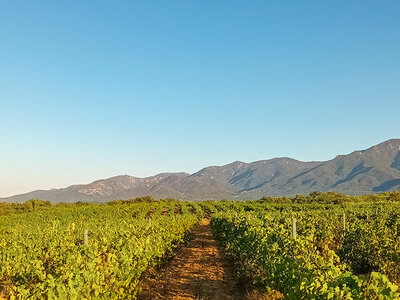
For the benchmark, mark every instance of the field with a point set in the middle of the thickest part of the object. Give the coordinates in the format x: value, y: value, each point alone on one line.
x: 321, y: 246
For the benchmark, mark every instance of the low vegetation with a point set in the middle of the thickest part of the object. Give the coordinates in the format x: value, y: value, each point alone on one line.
x: 317, y: 246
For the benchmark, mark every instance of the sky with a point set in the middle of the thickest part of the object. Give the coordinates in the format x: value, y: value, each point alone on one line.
x: 95, y: 89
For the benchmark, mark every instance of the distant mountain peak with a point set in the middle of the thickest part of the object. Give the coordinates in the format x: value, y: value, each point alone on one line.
x: 375, y: 169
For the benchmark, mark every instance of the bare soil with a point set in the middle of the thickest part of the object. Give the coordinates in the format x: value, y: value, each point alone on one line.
x: 199, y: 271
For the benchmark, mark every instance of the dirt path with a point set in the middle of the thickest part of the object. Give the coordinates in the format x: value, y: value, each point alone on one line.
x: 197, y: 272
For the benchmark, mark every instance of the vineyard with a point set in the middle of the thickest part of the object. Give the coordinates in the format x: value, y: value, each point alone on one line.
x: 333, y: 249
x: 329, y: 256
x: 43, y: 254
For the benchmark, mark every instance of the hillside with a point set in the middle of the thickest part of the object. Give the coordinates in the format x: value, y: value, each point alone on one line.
x: 376, y: 169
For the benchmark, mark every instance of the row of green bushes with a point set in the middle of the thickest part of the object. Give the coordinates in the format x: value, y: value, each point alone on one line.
x: 334, y: 198
x: 314, y: 197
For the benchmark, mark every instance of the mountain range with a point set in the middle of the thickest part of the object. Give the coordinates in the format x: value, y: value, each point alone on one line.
x: 376, y: 169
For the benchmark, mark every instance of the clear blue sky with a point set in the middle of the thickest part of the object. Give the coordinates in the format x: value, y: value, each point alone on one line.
x: 93, y: 89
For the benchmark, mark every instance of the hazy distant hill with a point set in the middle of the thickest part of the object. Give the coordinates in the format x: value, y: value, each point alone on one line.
x: 376, y: 169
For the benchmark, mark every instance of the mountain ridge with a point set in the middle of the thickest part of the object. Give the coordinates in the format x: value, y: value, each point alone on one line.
x: 376, y: 169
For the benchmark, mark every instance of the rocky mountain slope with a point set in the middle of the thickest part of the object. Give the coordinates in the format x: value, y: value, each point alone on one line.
x: 376, y: 169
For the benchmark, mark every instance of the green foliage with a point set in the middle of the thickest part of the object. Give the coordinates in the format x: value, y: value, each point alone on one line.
x: 29, y: 205
x: 334, y: 198
x: 324, y: 262
x: 42, y: 255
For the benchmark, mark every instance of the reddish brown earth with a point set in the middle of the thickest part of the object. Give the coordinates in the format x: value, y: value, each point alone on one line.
x: 199, y: 271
